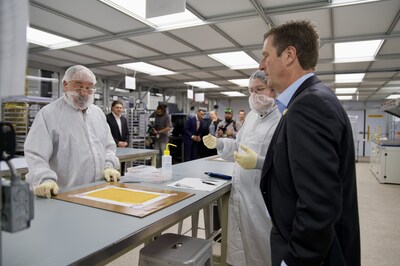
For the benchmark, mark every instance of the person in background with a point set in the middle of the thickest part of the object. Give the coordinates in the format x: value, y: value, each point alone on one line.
x: 161, y: 125
x: 192, y: 111
x: 118, y: 125
x: 214, y: 122
x: 70, y: 143
x: 308, y: 180
x: 249, y: 224
x: 242, y: 116
x: 192, y: 135
x: 212, y: 130
x: 228, y: 127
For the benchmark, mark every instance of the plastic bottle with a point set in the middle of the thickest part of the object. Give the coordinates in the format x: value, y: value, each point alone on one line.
x: 166, y: 162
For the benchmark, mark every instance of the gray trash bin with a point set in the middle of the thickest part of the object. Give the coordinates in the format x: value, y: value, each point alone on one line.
x: 176, y: 250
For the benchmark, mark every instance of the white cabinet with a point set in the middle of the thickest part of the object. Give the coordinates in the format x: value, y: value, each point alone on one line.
x: 385, y: 162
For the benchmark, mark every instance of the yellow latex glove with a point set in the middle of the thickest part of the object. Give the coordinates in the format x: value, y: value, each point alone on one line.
x: 111, y: 175
x: 210, y: 141
x: 248, y: 159
x: 46, y: 189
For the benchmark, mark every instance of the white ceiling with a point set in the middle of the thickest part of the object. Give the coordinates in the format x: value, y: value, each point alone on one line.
x: 113, y: 38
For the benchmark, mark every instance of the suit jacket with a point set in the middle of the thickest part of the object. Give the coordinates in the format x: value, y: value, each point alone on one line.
x: 189, y: 129
x: 115, y: 130
x: 309, y: 182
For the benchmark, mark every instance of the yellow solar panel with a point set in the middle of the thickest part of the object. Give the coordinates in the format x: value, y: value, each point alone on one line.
x: 123, y: 195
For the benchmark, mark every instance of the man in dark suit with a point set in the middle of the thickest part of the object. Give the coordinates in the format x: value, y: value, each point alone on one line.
x: 192, y: 135
x: 118, y: 125
x: 308, y: 179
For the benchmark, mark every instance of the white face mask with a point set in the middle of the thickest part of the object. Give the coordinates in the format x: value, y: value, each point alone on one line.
x: 261, y: 103
x: 79, y: 102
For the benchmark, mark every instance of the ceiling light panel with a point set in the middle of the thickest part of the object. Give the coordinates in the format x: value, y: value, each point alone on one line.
x: 345, y: 97
x: 48, y: 40
x: 137, y: 10
x: 345, y: 90
x: 349, y: 78
x: 202, y: 84
x: 240, y: 82
x: 147, y: 68
x: 393, y: 96
x: 233, y: 93
x: 357, y: 51
x: 235, y: 60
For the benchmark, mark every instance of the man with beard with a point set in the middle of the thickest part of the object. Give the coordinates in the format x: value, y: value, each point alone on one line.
x: 249, y: 224
x: 69, y: 143
x: 228, y: 128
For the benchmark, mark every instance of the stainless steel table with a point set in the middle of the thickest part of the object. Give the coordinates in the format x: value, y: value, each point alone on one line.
x: 64, y: 233
x: 124, y: 155
x: 132, y: 154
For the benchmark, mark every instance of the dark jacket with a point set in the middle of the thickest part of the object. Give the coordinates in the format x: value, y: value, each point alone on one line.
x: 115, y: 130
x: 191, y: 146
x: 309, y: 182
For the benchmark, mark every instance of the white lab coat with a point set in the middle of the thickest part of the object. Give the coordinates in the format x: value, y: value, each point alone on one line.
x: 69, y: 147
x: 249, y: 224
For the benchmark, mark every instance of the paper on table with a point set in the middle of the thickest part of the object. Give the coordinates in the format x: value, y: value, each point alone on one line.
x: 197, y: 183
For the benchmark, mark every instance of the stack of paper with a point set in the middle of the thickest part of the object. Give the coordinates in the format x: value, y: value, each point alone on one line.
x: 206, y: 184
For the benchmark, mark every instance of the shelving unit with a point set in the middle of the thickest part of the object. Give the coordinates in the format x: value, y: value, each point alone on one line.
x: 21, y: 111
x: 137, y: 125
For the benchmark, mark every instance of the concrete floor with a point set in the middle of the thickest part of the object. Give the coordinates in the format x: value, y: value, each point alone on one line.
x: 379, y: 208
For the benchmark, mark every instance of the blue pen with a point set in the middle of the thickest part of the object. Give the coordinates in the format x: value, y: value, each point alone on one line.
x: 216, y: 175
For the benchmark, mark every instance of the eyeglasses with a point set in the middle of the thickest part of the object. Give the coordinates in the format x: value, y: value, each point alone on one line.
x: 257, y: 89
x: 80, y: 87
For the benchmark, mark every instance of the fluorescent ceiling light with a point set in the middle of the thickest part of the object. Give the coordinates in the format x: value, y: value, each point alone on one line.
x: 349, y: 78
x: 119, y: 90
x: 137, y: 10
x: 240, y: 82
x: 345, y: 97
x: 345, y: 90
x: 48, y: 40
x: 41, y: 78
x: 356, y: 51
x: 147, y: 68
x: 202, y: 84
x: 393, y: 96
x: 176, y: 21
x: 233, y: 93
x: 342, y: 1
x: 235, y: 60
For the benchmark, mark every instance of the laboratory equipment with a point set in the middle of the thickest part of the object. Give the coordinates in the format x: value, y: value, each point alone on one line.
x: 16, y: 198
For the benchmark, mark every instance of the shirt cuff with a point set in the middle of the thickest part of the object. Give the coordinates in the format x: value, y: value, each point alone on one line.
x: 260, y: 162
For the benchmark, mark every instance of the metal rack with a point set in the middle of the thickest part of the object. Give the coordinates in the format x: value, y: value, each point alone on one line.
x: 137, y: 124
x: 21, y: 111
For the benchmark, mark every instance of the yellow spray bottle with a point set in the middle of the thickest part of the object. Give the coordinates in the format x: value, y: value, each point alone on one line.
x: 166, y: 162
